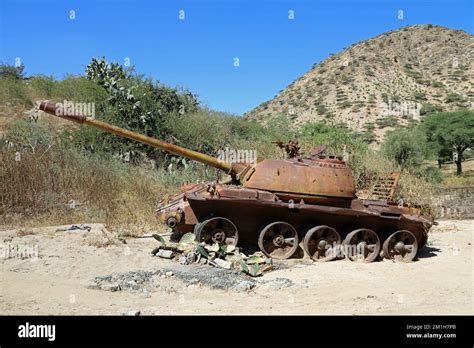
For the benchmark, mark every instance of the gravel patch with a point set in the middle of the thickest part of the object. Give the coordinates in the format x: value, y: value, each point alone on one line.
x: 133, y: 281
x: 213, y: 277
x: 278, y: 283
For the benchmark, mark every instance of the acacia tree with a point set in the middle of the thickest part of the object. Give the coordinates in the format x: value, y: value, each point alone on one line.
x: 453, y: 131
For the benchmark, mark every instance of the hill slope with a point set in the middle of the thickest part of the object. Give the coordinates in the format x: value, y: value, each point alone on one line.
x: 381, y: 82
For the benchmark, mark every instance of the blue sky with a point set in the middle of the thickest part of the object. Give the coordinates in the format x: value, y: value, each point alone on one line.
x: 198, y: 52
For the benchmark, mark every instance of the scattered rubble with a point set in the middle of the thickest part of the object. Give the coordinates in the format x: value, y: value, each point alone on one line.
x: 131, y: 281
x: 147, y: 281
x: 216, y: 266
x: 80, y: 227
x: 166, y: 254
x: 221, y: 263
x: 213, y: 277
x: 279, y: 283
x: 188, y: 251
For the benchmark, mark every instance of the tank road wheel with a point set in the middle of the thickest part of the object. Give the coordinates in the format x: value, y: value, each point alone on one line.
x: 400, y: 246
x: 278, y: 240
x: 321, y: 243
x: 217, y: 230
x: 361, y: 245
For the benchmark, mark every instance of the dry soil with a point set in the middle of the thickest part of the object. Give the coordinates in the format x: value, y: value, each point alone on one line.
x: 59, y: 279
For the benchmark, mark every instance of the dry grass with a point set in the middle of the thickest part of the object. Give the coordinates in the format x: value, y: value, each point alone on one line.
x: 24, y: 232
x: 465, y: 179
x: 412, y: 190
x: 102, y: 240
x: 419, y: 193
x: 60, y: 186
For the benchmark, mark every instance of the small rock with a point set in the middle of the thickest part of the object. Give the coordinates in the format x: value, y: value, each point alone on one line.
x: 169, y: 274
x: 191, y: 257
x: 166, y: 254
x: 222, y: 263
x: 110, y: 287
x: 202, y: 261
x: 183, y: 260
x: 279, y: 283
x: 244, y: 285
x: 131, y: 313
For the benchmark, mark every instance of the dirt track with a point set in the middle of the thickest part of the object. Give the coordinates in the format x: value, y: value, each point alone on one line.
x: 440, y: 282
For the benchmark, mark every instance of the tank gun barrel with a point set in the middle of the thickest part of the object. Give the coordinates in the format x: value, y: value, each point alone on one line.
x: 53, y: 109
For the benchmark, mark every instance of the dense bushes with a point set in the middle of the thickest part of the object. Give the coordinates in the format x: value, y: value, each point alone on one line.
x: 14, y: 92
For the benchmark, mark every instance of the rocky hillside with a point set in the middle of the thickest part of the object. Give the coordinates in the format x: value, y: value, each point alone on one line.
x: 377, y: 84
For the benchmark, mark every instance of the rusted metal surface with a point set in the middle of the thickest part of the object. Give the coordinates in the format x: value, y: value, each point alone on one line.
x: 217, y: 230
x: 278, y: 240
x: 250, y: 213
x: 385, y: 187
x: 323, y: 177
x: 401, y: 246
x: 362, y: 244
x: 51, y: 108
x: 321, y: 243
x: 275, y: 204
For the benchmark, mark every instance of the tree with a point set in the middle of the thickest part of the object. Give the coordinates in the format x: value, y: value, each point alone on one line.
x: 135, y: 103
x: 408, y: 148
x: 12, y: 72
x: 453, y: 131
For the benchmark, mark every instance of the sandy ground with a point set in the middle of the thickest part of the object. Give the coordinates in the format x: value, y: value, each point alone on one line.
x: 56, y: 282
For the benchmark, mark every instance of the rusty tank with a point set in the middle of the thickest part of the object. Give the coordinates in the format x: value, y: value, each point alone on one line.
x: 288, y: 208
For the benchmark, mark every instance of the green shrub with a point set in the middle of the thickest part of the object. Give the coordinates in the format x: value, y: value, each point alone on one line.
x: 12, y: 72
x: 15, y: 92
x: 433, y: 174
x: 346, y: 104
x: 43, y: 87
x: 79, y: 89
x: 453, y: 97
x: 428, y: 108
x: 419, y: 96
x: 407, y: 148
x: 387, y: 121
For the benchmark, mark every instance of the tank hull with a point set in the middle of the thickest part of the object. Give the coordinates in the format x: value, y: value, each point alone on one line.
x: 252, y: 210
x: 251, y: 216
